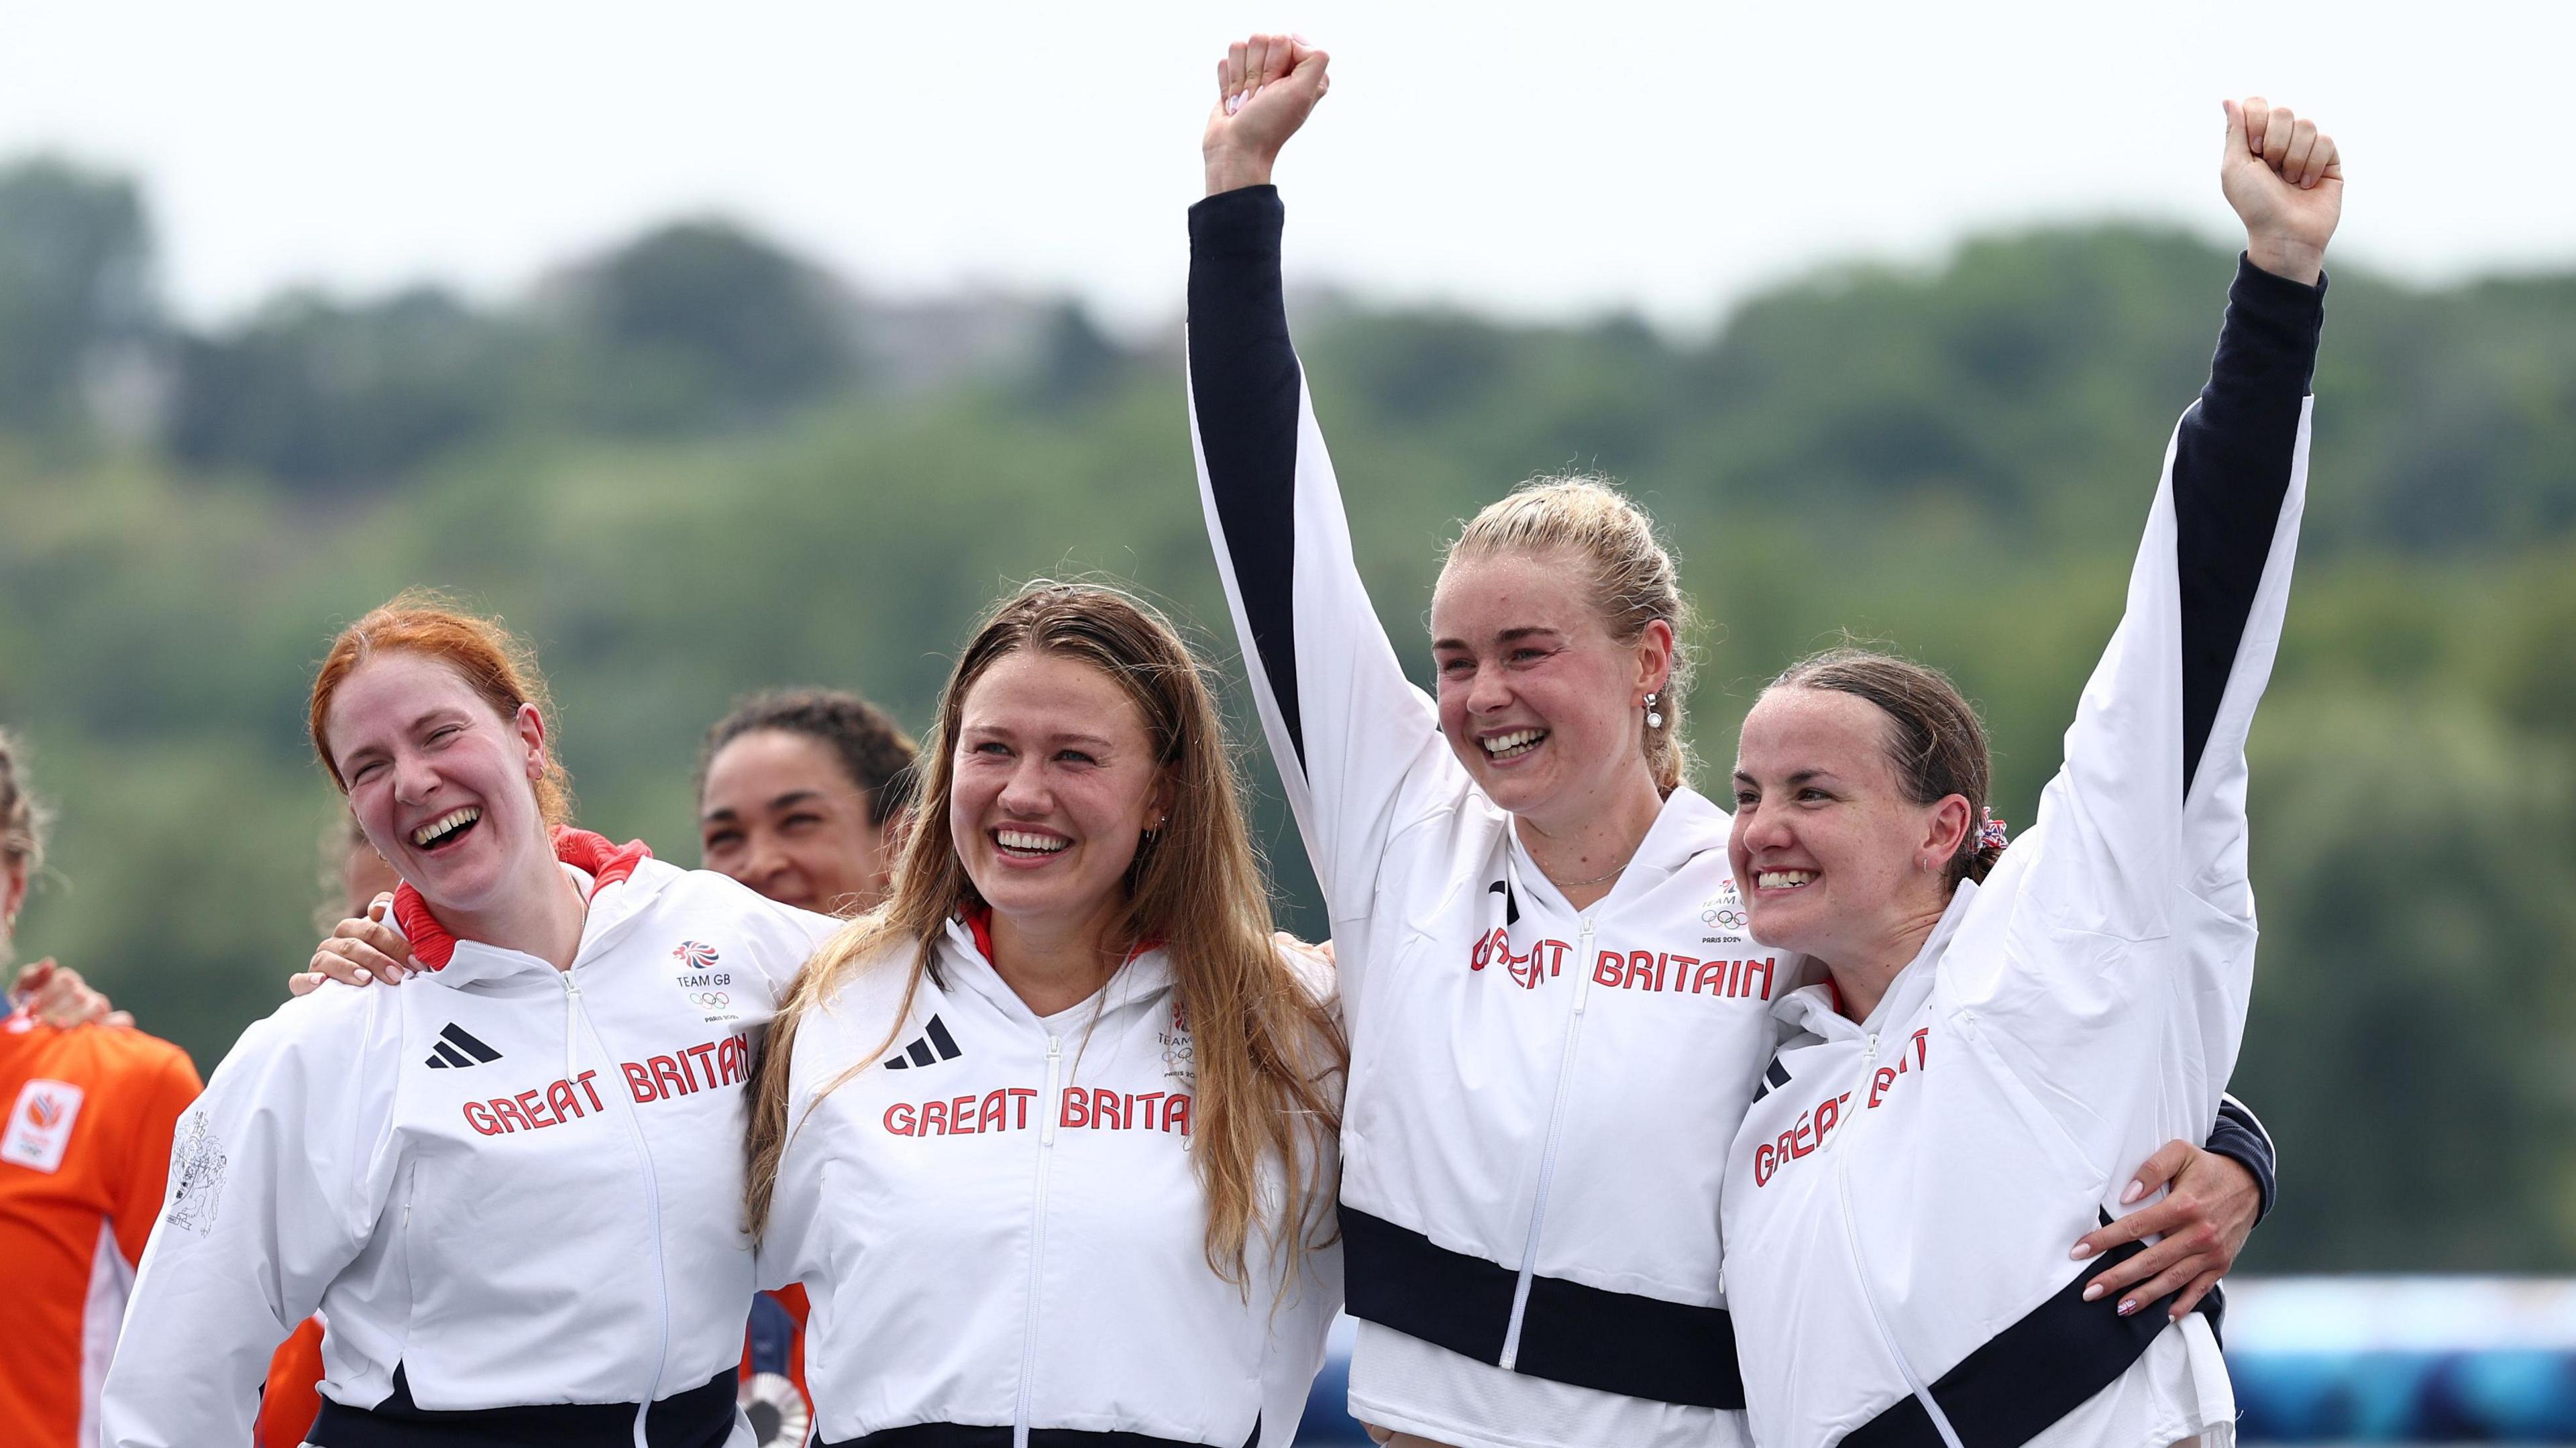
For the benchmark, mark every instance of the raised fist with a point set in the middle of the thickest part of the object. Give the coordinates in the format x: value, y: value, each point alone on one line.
x: 2285, y: 180
x: 1265, y: 88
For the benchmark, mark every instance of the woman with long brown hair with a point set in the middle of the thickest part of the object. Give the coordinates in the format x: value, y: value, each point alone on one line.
x: 1048, y: 1136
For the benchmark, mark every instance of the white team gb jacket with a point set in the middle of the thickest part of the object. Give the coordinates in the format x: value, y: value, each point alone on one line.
x: 998, y: 1223
x: 1541, y: 1097
x: 510, y: 1187
x: 1900, y: 1202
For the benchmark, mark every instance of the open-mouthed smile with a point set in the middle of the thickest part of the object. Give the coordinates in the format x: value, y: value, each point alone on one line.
x: 447, y: 829
x: 1031, y: 846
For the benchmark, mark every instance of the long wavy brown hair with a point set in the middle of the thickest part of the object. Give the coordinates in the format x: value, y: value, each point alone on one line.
x: 1266, y: 1050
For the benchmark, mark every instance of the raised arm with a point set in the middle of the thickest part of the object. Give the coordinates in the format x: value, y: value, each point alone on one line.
x: 2151, y: 801
x: 1356, y: 744
x: 2236, y: 451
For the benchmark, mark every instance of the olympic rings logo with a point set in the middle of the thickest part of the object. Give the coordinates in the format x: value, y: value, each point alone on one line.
x: 1724, y: 919
x: 710, y: 999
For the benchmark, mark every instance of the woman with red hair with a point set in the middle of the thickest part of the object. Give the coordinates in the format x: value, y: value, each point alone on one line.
x: 516, y: 1193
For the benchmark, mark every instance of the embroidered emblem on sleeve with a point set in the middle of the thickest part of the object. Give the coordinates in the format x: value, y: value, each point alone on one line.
x: 196, y: 1178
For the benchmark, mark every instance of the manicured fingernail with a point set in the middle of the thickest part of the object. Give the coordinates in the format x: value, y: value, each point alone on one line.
x: 2080, y: 1251
x: 2092, y: 1292
x: 363, y: 977
x: 2128, y: 1307
x: 2135, y: 1191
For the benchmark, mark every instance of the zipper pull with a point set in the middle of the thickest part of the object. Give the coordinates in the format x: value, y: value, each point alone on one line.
x: 1583, y: 966
x: 1055, y: 1092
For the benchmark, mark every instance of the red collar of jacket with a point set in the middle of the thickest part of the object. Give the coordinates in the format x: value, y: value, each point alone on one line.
x: 979, y: 923
x: 606, y: 864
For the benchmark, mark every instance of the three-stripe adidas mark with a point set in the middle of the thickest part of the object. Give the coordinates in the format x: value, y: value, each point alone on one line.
x: 933, y: 1037
x: 457, y: 1047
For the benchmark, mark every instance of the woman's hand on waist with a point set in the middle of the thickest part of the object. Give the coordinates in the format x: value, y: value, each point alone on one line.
x: 2202, y: 1224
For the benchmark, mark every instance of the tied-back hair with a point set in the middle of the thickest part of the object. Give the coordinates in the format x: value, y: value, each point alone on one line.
x: 1633, y: 580
x: 1265, y: 1047
x: 1934, y: 738
x: 22, y: 824
x: 492, y: 661
x: 873, y: 748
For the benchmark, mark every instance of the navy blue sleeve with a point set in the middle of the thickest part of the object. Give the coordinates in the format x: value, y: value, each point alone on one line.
x: 1245, y: 386
x: 2231, y: 472
x: 2239, y: 1136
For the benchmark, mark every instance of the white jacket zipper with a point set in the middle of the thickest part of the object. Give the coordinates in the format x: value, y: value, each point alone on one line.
x: 1869, y: 1291
x: 1037, y: 1243
x: 1547, y: 1154
x: 652, y: 1207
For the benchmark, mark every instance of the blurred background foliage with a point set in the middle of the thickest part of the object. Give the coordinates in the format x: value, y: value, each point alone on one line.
x: 696, y: 465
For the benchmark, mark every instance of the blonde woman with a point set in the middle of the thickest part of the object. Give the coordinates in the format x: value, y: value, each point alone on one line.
x: 1048, y: 1137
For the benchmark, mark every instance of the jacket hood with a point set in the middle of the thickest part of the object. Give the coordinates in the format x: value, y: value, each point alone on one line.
x: 967, y: 949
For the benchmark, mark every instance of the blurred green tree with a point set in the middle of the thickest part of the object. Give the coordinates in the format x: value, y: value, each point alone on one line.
x: 76, y: 294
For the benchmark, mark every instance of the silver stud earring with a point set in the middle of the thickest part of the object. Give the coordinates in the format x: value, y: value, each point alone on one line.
x: 1654, y: 716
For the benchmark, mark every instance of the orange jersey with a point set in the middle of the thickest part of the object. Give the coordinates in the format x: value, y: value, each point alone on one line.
x: 288, y: 1405
x: 83, y: 1158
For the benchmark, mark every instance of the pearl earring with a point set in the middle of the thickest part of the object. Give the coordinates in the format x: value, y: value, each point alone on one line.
x: 1654, y: 716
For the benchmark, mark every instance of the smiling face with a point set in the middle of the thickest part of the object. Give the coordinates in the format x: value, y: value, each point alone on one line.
x: 1055, y: 784
x: 781, y: 814
x: 1835, y: 860
x: 441, y: 782
x: 1537, y: 699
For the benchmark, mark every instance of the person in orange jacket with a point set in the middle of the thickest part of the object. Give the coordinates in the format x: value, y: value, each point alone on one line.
x: 84, y: 1155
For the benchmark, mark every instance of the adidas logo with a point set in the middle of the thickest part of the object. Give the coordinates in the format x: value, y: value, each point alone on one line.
x: 934, y: 1038
x: 457, y: 1047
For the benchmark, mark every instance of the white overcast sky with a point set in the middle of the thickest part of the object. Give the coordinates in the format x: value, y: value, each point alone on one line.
x: 1540, y: 160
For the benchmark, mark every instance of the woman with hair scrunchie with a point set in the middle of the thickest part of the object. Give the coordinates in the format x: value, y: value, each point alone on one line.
x: 2001, y: 1031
